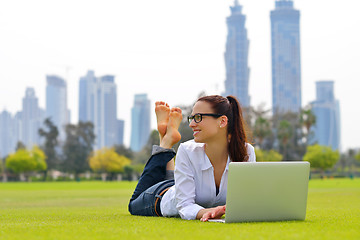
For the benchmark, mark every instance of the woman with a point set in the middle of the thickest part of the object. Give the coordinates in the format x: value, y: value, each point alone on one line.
x: 199, y: 189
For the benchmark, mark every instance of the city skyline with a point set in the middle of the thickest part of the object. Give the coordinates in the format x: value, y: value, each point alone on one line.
x: 188, y: 51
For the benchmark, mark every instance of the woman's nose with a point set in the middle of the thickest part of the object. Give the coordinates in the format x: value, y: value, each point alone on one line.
x: 192, y: 123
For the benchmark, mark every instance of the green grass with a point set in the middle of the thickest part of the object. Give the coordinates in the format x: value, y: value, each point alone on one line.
x: 96, y: 210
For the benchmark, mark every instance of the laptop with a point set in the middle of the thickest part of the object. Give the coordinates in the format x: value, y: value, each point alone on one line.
x: 266, y: 191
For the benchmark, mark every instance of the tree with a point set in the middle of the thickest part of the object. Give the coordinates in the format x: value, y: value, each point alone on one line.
x: 24, y: 161
x: 123, y: 150
x: 20, y: 145
x: 267, y: 156
x: 321, y: 157
x: 284, y: 133
x: 261, y: 129
x: 77, y: 147
x: 106, y: 160
x: 357, y: 156
x: 50, y: 144
x: 307, y: 120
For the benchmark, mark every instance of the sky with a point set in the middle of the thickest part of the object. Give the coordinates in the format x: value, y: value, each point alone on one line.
x: 171, y: 50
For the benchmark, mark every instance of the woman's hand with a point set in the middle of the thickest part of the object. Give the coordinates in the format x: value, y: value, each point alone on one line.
x: 211, y: 213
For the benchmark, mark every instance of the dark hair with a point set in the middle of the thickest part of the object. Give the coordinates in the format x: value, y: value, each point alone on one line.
x: 230, y: 107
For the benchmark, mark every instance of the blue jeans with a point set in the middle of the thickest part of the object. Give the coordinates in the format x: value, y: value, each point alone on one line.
x: 146, y: 198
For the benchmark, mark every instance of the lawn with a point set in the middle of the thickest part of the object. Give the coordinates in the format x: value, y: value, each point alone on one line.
x: 97, y: 210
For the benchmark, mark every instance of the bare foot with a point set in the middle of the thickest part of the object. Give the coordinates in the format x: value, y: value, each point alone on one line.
x: 172, y: 135
x: 162, y: 111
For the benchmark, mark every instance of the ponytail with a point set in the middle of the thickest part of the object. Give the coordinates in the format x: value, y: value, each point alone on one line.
x: 237, y: 135
x: 231, y: 108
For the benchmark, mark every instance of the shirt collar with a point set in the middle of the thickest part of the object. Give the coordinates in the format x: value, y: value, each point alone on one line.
x: 207, y: 164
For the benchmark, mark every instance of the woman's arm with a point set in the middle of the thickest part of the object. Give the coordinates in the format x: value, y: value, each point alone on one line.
x: 185, y: 186
x: 210, y: 213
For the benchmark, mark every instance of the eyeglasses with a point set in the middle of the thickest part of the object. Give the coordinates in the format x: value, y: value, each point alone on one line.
x: 198, y: 116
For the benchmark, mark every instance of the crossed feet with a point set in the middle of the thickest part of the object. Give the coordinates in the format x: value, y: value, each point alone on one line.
x: 168, y: 122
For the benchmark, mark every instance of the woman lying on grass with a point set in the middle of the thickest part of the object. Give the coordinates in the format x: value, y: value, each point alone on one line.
x: 201, y: 170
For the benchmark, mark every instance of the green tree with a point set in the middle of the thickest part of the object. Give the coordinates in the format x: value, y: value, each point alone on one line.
x: 267, y: 156
x: 307, y: 120
x: 106, y: 160
x: 23, y: 161
x: 123, y: 150
x: 128, y: 172
x: 78, y: 145
x: 284, y: 134
x: 20, y: 145
x: 321, y: 157
x: 50, y: 144
x: 357, y: 156
x: 261, y: 130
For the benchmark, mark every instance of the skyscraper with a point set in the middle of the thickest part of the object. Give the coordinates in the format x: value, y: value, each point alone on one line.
x: 97, y: 104
x: 140, y: 122
x: 327, y: 111
x: 32, y: 118
x: 120, y: 132
x: 285, y: 49
x: 236, y: 56
x: 7, y: 136
x: 86, y: 99
x: 56, y: 103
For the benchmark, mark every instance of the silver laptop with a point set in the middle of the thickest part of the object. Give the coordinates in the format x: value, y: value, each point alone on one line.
x: 266, y: 191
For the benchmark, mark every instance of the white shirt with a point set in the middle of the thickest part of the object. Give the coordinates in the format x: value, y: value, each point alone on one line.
x: 194, y: 187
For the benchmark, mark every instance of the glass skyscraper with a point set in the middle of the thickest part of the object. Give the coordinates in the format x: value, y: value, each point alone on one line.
x: 32, y: 118
x: 140, y: 122
x: 56, y: 104
x: 285, y: 49
x: 7, y: 136
x: 120, y: 131
x: 236, y: 56
x: 327, y: 111
x: 98, y: 104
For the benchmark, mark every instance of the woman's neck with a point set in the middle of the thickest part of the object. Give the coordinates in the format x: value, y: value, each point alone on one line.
x: 217, y: 151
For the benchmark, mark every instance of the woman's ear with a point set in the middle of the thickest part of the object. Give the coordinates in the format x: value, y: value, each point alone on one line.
x: 223, y: 121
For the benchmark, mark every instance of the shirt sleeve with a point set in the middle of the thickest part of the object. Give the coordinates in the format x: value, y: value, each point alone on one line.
x: 251, y: 152
x: 185, y: 186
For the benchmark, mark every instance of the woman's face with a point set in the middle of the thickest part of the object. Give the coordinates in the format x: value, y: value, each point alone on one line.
x: 208, y: 129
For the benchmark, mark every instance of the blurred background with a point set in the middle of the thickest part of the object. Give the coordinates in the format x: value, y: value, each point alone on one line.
x: 292, y: 64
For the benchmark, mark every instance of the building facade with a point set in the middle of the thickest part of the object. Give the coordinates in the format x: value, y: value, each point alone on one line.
x: 98, y: 104
x: 285, y: 50
x: 56, y: 104
x: 236, y: 56
x: 7, y: 136
x: 327, y: 111
x: 140, y: 122
x: 32, y: 118
x: 120, y: 131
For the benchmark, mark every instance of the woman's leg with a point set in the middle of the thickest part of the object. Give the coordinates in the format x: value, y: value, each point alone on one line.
x: 145, y: 203
x: 155, y: 169
x: 154, y: 172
